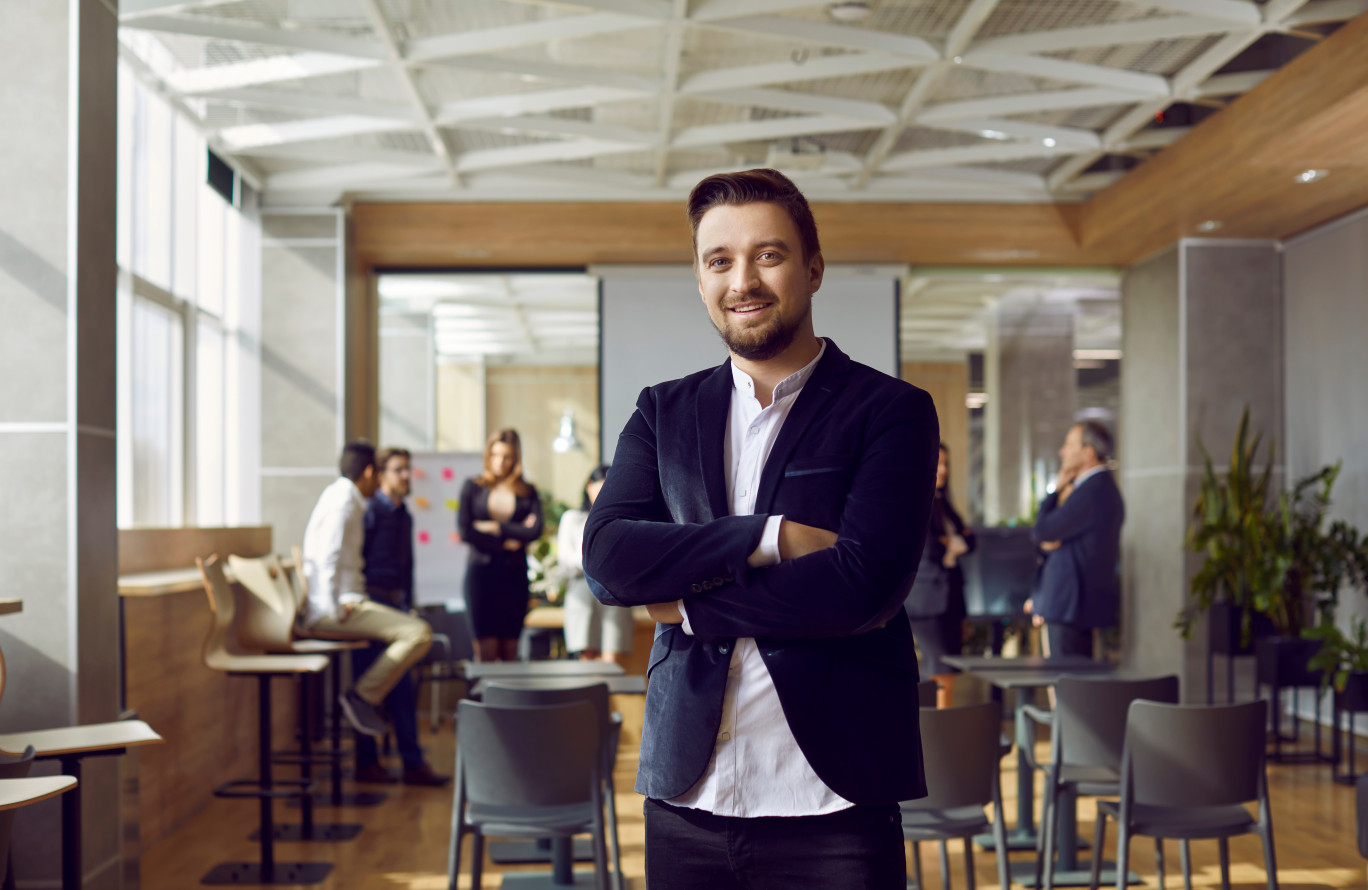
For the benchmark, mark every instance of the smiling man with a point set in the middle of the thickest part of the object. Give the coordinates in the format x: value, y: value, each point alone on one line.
x: 770, y: 513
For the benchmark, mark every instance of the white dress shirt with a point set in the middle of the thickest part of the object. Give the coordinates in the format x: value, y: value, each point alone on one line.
x: 1088, y: 474
x: 332, y: 551
x: 757, y: 768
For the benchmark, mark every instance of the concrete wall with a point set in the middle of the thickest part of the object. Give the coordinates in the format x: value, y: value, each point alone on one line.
x: 57, y: 405
x: 1201, y: 339
x: 407, y: 372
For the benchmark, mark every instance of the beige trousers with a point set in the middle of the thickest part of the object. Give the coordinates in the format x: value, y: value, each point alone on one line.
x: 408, y: 638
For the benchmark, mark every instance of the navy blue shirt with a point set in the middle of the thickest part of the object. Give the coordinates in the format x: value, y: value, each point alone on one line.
x: 388, y: 548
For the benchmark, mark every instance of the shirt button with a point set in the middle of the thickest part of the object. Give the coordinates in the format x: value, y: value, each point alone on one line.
x: 697, y: 588
x: 726, y: 736
x: 754, y: 430
x: 723, y: 648
x: 717, y: 582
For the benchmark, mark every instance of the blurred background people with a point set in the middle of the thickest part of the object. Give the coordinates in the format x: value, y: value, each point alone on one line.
x: 592, y: 630
x: 499, y: 515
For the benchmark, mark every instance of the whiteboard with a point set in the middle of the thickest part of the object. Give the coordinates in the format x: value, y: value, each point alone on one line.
x: 439, y: 556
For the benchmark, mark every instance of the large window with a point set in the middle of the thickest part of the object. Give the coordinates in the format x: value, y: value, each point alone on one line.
x: 181, y: 253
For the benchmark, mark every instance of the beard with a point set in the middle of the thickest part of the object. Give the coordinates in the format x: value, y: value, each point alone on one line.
x: 759, y: 343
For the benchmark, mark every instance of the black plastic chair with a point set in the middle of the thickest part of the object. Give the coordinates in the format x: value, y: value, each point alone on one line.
x: 926, y: 693
x: 961, y: 750
x: 527, y: 772
x: 450, y: 643
x: 559, y: 690
x: 1087, y: 739
x: 1187, y: 773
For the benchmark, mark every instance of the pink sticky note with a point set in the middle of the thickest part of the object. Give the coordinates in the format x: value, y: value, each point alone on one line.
x: 455, y: 537
x: 448, y: 474
x: 419, y: 473
x: 424, y: 537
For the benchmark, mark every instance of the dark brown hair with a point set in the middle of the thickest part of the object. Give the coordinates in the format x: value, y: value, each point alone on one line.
x: 382, y: 458
x: 356, y: 456
x: 754, y: 187
x: 515, y: 478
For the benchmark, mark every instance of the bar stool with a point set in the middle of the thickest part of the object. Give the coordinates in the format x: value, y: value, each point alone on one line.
x: 17, y: 790
x: 266, y: 788
x: 267, y: 624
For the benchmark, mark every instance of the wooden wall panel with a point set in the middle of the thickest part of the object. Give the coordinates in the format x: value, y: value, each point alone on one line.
x: 948, y: 384
x: 532, y: 400
x: 160, y: 549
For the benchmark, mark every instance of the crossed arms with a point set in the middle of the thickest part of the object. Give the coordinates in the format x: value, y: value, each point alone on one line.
x: 635, y: 553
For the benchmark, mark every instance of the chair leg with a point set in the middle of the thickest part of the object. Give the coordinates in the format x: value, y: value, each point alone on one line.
x: 1044, y: 849
x: 476, y: 857
x: 945, y: 865
x: 435, y: 699
x: 1185, y: 861
x: 1159, y: 860
x: 615, y: 845
x: 1223, y: 846
x: 969, y: 863
x: 1099, y: 837
x: 916, y: 865
x: 1122, y: 854
x: 1050, y: 830
x: 1000, y: 847
x: 1270, y: 857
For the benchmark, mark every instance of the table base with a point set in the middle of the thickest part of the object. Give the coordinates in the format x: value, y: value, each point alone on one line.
x: 1023, y: 873
x: 1017, y: 839
x: 545, y: 881
x: 524, y: 852
x: 346, y: 799
x: 322, y: 832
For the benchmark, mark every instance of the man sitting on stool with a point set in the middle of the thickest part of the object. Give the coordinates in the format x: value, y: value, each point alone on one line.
x: 338, y: 608
x: 388, y: 551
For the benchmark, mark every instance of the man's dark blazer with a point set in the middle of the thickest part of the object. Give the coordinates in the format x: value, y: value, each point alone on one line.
x: 1079, y: 584
x: 856, y: 455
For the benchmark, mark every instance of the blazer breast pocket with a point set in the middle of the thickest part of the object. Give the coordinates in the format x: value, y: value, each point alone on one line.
x: 814, y: 488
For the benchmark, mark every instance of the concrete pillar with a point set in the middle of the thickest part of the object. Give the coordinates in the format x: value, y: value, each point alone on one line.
x: 303, y: 415
x: 408, y: 369
x: 1201, y: 339
x: 1031, y: 385
x: 57, y: 404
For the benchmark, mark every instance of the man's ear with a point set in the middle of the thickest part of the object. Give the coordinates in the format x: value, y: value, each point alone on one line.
x: 816, y: 268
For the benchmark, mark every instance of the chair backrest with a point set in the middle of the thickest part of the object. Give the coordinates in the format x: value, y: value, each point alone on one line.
x: 456, y: 629
x: 549, y: 691
x: 961, y: 748
x: 927, y: 691
x: 1195, y: 755
x: 541, y: 756
x: 220, y: 643
x: 12, y: 766
x: 266, y: 619
x: 1090, y: 714
x: 297, y: 582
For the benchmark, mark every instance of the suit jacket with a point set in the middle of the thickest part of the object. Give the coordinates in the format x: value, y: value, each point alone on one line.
x: 1079, y: 583
x: 856, y: 455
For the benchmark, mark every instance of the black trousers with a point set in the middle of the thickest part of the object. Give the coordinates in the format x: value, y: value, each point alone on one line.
x: 1068, y: 639
x: 856, y: 849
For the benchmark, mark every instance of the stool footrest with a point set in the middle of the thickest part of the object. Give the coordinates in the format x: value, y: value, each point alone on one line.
x: 318, y: 757
x: 294, y: 788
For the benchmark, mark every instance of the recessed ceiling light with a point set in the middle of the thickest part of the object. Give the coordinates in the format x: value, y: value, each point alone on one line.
x: 992, y: 134
x: 1210, y: 225
x: 849, y: 12
x: 1048, y: 142
x: 958, y: 60
x: 1312, y: 175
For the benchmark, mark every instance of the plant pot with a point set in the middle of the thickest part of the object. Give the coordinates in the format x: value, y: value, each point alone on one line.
x: 1223, y: 629
x: 1354, y: 697
x: 1281, y: 661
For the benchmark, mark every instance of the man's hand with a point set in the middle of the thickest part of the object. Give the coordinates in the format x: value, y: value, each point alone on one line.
x: 510, y: 544
x: 955, y: 547
x: 796, y: 539
x: 347, y: 609
x: 1028, y: 607
x: 1050, y: 546
x: 530, y: 521
x: 486, y: 526
x: 666, y: 613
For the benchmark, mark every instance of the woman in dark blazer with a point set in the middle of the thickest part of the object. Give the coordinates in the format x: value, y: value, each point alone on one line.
x: 936, y: 603
x: 499, y: 515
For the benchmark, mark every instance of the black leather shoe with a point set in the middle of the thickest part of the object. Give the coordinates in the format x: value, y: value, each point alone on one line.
x: 424, y: 775
x: 374, y: 774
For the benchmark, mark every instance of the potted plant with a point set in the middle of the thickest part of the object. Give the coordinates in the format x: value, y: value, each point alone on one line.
x: 1343, y: 662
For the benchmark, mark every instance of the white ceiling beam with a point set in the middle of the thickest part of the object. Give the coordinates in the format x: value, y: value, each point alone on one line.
x: 973, y: 17
x: 1230, y: 84
x: 834, y: 164
x: 805, y: 103
x: 384, y: 30
x: 818, y: 68
x: 504, y: 37
x: 673, y: 59
x: 257, y: 72
x: 559, y: 127
x: 130, y: 10
x: 1025, y: 103
x: 345, y: 175
x: 1240, y: 11
x: 658, y: 10
x: 561, y: 174
x: 1197, y: 72
x: 536, y: 102
x: 713, y: 10
x: 1078, y: 72
x: 525, y: 69
x: 822, y: 34
x: 1320, y: 11
x: 294, y: 100
x: 1092, y: 182
x: 247, y: 136
x: 968, y: 154
x: 337, y: 153
x: 775, y: 128
x: 1006, y: 128
x: 1156, y: 138
x: 1121, y: 33
x: 220, y: 29
x: 983, y: 176
x: 540, y: 153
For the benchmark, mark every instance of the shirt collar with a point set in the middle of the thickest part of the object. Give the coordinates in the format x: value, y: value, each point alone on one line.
x: 742, y: 382
x: 353, y: 492
x: 383, y: 500
x: 1088, y: 474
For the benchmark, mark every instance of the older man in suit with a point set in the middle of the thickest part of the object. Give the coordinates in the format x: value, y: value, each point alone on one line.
x: 771, y: 512
x: 1079, y: 530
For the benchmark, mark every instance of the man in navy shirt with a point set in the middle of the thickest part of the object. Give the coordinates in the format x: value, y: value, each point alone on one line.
x: 388, y: 553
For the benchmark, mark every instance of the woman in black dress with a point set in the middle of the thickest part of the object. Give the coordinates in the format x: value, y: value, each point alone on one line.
x: 499, y: 515
x: 936, y: 602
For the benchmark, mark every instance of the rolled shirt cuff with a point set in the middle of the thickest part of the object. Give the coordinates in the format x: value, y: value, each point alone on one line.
x: 769, y: 541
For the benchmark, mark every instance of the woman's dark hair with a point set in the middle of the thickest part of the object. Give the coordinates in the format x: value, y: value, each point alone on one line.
x: 516, y: 481
x: 597, y: 474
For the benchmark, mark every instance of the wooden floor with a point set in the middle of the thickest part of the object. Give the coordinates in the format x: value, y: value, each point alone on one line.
x: 404, y: 843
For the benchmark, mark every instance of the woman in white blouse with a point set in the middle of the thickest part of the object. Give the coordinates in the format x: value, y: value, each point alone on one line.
x: 593, y: 630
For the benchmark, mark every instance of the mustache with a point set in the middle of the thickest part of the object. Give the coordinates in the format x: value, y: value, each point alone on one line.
x: 762, y: 296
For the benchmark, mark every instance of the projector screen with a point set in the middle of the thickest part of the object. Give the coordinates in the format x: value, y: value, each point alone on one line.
x: 653, y: 327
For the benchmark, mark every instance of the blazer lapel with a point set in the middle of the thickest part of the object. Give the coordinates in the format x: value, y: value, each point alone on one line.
x: 714, y: 403
x: 816, y: 394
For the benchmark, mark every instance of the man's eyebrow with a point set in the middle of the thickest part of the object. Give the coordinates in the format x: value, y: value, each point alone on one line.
x: 769, y: 242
